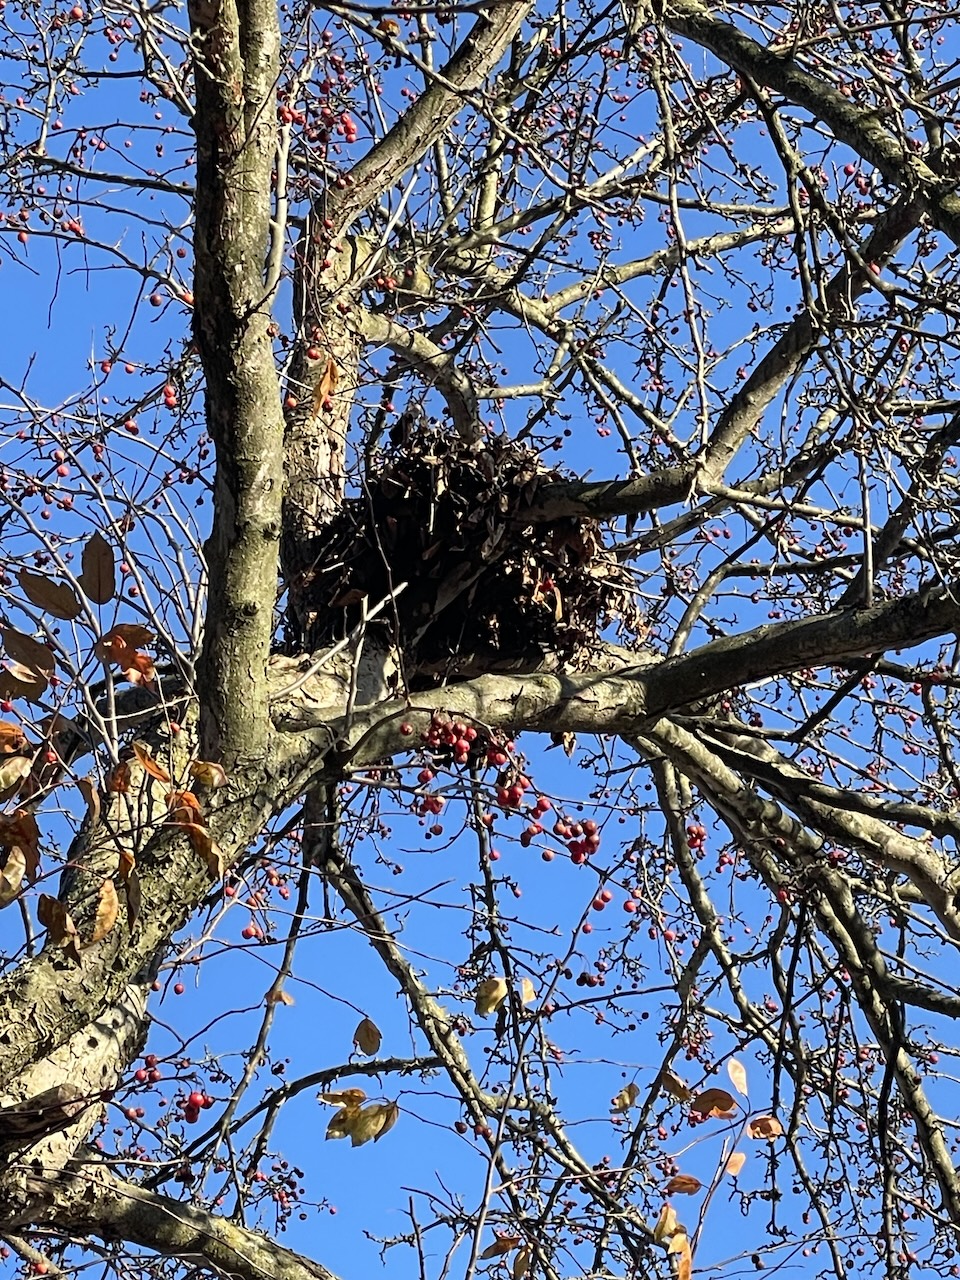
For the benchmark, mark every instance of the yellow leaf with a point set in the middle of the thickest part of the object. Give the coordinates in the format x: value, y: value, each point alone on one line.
x: 500, y: 1246
x: 626, y: 1098
x: 683, y: 1184
x: 738, y: 1076
x: 13, y: 770
x: 368, y: 1123
x: 528, y: 992
x: 673, y: 1085
x: 768, y: 1127
x: 108, y: 908
x: 666, y: 1225
x: 208, y: 774
x: 713, y: 1102
x: 98, y: 580
x: 367, y: 1037
x: 56, y: 598
x: 341, y: 1123
x: 12, y: 876
x: 150, y: 765
x: 491, y: 994
x: 735, y: 1163
x: 680, y: 1247
x: 521, y: 1263
x: 349, y: 1098
x: 391, y: 1112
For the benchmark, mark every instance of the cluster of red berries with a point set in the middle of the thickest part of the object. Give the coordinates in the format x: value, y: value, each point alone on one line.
x: 583, y: 838
x: 696, y: 835
x: 193, y: 1103
x: 150, y: 1072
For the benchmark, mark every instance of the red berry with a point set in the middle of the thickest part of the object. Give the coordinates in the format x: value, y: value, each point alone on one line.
x: 406, y: 728
x: 195, y: 1100
x: 178, y: 989
x: 140, y: 1075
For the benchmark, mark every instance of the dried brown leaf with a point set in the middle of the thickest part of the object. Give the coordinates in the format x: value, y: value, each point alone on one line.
x: 108, y: 908
x: 367, y: 1037
x: 150, y: 765
x: 56, y: 598
x: 12, y: 875
x: 735, y: 1163
x: 91, y: 798
x: 714, y: 1102
x: 61, y: 930
x: 521, y: 1263
x: 208, y: 773
x: 500, y: 1246
x: 32, y: 654
x: 98, y: 576
x: 666, y: 1224
x: 673, y: 1085
x: 349, y: 1098
x: 683, y: 1184
x: 13, y: 741
x: 768, y: 1127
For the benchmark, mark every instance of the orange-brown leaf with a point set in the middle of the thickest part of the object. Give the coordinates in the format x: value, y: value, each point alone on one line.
x: 12, y: 738
x: 98, y: 578
x: 683, y: 1184
x: 61, y: 930
x: 118, y: 780
x: 184, y: 808
x: 123, y: 636
x: 91, y: 796
x: 500, y: 1246
x: 714, y: 1102
x: 12, y: 875
x: 768, y: 1127
x: 349, y: 1098
x: 735, y: 1163
x: 150, y: 765
x: 56, y: 598
x: 207, y: 848
x: 108, y: 908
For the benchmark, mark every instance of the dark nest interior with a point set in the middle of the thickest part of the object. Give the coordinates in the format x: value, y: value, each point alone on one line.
x: 450, y: 523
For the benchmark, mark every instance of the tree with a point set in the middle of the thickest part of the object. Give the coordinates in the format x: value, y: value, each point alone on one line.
x: 499, y: 403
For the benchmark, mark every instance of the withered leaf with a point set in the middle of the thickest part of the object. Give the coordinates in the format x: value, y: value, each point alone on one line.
x: 367, y: 1037
x: 713, y: 1102
x: 207, y: 848
x: 56, y: 598
x: 13, y: 770
x: 127, y: 871
x: 108, y: 908
x: 672, y: 1084
x: 735, y: 1163
x: 150, y: 765
x: 98, y: 578
x: 125, y: 635
x: 370, y: 1123
x: 184, y: 808
x: 12, y: 738
x: 32, y: 654
x: 61, y: 930
x: 277, y: 995
x: 491, y: 993
x: 341, y: 1123
x: 666, y: 1225
x: 680, y: 1247
x: 528, y: 992
x: 349, y: 1098
x: 18, y: 681
x: 91, y: 796
x: 684, y: 1184
x: 12, y: 875
x: 208, y: 773
x: 500, y: 1246
x: 768, y: 1127
x: 388, y: 27
x: 738, y: 1076
x: 521, y: 1263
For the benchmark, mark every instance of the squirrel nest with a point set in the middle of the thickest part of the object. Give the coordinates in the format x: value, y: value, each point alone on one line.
x: 448, y: 520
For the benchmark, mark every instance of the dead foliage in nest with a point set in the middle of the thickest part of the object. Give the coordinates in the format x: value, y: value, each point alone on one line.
x: 447, y: 519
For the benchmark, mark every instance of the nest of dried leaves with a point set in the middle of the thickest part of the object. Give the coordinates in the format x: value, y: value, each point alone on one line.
x: 450, y: 523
